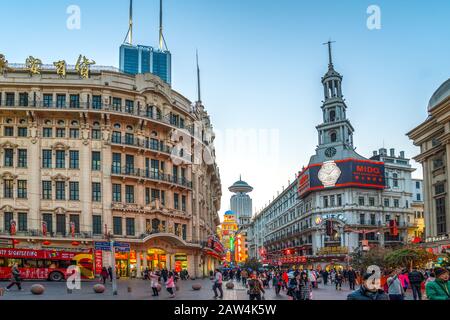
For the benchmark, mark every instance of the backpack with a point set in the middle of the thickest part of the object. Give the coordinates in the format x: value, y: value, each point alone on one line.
x: 254, y: 286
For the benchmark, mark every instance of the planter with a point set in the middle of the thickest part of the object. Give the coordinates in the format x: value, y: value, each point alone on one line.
x: 230, y: 285
x: 37, y: 289
x: 196, y: 286
x: 99, y: 288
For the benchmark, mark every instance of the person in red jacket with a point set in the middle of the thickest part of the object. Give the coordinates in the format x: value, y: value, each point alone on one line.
x: 285, y: 278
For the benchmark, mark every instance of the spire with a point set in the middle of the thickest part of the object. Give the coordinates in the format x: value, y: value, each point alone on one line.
x: 129, y: 35
x: 199, y: 97
x: 161, y: 37
x: 330, y: 56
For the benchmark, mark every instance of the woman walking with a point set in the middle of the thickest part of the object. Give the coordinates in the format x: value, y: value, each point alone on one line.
x: 305, y: 288
x: 170, y: 285
x: 339, y: 279
x: 154, y: 281
x: 104, y: 274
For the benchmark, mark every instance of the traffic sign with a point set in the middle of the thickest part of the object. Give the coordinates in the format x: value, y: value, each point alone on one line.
x: 106, y: 246
x: 122, y: 247
x: 103, y: 246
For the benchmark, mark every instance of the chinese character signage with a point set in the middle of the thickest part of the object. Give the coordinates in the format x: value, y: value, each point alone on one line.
x: 341, y: 174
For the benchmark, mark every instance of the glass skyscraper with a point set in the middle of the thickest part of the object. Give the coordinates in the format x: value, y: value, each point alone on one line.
x: 146, y: 59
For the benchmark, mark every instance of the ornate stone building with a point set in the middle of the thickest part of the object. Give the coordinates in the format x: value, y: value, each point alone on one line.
x: 83, y: 158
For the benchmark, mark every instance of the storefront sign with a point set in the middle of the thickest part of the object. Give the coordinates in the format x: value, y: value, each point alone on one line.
x: 341, y: 174
x: 334, y: 216
x: 98, y: 261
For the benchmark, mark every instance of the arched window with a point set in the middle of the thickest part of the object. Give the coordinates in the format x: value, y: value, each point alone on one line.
x: 333, y: 136
x: 332, y: 115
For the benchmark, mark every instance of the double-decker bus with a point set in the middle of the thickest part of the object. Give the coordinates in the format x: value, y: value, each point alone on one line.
x: 45, y: 264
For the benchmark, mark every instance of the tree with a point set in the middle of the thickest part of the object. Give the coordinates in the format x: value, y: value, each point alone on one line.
x: 361, y: 260
x: 408, y: 257
x: 252, y: 263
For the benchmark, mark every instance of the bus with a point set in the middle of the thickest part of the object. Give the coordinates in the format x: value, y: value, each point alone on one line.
x: 45, y: 264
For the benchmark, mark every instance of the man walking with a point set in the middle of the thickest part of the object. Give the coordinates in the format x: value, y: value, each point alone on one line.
x: 15, y: 278
x: 351, y: 274
x: 415, y: 280
x: 244, y: 276
x: 110, y: 273
x: 368, y: 290
x: 218, y: 285
x: 255, y: 287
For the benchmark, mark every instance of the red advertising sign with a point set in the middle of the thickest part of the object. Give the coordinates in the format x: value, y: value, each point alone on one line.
x: 98, y: 261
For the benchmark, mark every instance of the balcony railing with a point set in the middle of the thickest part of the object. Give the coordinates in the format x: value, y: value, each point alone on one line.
x: 84, y: 106
x: 147, y: 174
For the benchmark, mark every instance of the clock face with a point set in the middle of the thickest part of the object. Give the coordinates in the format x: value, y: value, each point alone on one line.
x: 330, y: 152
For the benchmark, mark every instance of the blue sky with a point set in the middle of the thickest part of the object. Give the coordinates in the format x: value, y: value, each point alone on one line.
x: 261, y: 65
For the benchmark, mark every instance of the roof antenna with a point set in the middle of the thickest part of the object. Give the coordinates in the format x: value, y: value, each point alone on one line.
x: 130, y: 28
x: 162, y: 40
x: 330, y: 57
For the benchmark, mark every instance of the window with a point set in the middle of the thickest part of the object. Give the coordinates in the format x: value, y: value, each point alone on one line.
x: 395, y: 180
x: 362, y: 218
x: 417, y: 184
x: 74, y: 133
x: 61, y: 101
x: 23, y: 221
x: 129, y: 139
x: 96, y: 161
x: 129, y: 194
x: 23, y: 99
x: 163, y: 198
x: 8, y: 131
x: 147, y: 196
x: 75, y: 219
x: 96, y: 134
x: 129, y: 106
x: 46, y: 159
x: 22, y: 189
x: 48, y: 100
x: 396, y: 203
x: 156, y: 194
x: 339, y: 200
x: 129, y: 164
x: 60, y: 132
x: 439, y: 189
x: 8, y: 188
x: 372, y: 219
x: 22, y: 158
x: 154, y: 170
x: 60, y: 190
x: 418, y: 197
x: 333, y: 137
x: 361, y: 201
x: 74, y: 159
x: 117, y: 192
x: 8, y: 216
x: 97, y: 225
x: 47, y: 132
x: 372, y: 202
x: 130, y: 226
x: 60, y: 159
x: 440, y: 216
x: 386, y: 202
x: 116, y: 163
x: 74, y: 191
x: 96, y: 102
x: 183, y: 203
x: 48, y: 219
x: 325, y: 202
x: 22, y: 132
x: 61, y: 224
x: 117, y: 104
x: 10, y: 97
x: 116, y: 137
x: 176, y: 200
x: 96, y: 192
x: 184, y: 232
x: 74, y: 100
x: 332, y: 201
x: 117, y: 226
x: 8, y: 158
x: 47, y: 190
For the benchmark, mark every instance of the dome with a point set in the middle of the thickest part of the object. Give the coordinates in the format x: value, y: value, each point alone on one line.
x: 240, y: 186
x: 230, y: 213
x: 440, y: 95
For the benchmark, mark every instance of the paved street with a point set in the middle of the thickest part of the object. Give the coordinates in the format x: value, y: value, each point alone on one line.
x: 141, y: 290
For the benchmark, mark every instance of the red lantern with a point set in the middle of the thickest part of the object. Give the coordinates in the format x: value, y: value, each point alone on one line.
x: 75, y: 243
x: 46, y: 243
x: 15, y: 241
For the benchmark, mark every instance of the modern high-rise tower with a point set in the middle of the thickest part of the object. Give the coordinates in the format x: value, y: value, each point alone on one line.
x: 240, y: 202
x: 135, y: 59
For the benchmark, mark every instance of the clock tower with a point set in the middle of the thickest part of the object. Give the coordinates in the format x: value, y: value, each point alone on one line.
x: 336, y: 132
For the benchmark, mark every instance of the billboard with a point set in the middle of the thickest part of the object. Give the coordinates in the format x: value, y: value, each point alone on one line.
x: 341, y: 174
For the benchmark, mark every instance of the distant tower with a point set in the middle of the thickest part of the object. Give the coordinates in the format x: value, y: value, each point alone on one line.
x: 135, y: 59
x: 240, y: 202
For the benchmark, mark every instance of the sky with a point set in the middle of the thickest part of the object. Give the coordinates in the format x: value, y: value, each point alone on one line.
x: 261, y: 65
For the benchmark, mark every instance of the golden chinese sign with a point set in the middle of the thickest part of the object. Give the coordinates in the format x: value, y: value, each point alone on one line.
x: 33, y: 65
x: 83, y: 66
x: 332, y: 250
x: 61, y: 68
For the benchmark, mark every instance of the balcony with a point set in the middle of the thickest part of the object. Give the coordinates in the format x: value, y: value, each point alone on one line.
x: 150, y: 175
x: 84, y: 106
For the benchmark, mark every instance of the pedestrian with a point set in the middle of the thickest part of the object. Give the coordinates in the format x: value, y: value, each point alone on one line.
x: 154, y: 281
x: 403, y: 277
x: 218, y: 284
x: 255, y: 287
x: 305, y: 287
x: 15, y: 278
x: 110, y: 273
x: 285, y: 278
x: 395, y: 287
x: 164, y: 274
x: 312, y: 278
x: 351, y: 275
x: 368, y: 290
x: 277, y: 283
x: 146, y: 274
x: 244, y: 276
x: 170, y: 285
x: 416, y: 279
x: 439, y: 289
x: 338, y: 280
x: 325, y: 277
x: 104, y: 274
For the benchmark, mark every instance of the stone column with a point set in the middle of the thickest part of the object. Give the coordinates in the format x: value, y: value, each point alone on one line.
x: 145, y: 262
x: 34, y: 164
x: 138, y: 264
x: 447, y: 204
x: 106, y: 182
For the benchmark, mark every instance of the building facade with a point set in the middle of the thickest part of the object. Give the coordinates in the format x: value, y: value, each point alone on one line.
x: 341, y: 202
x: 240, y: 202
x: 433, y: 138
x: 109, y: 155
